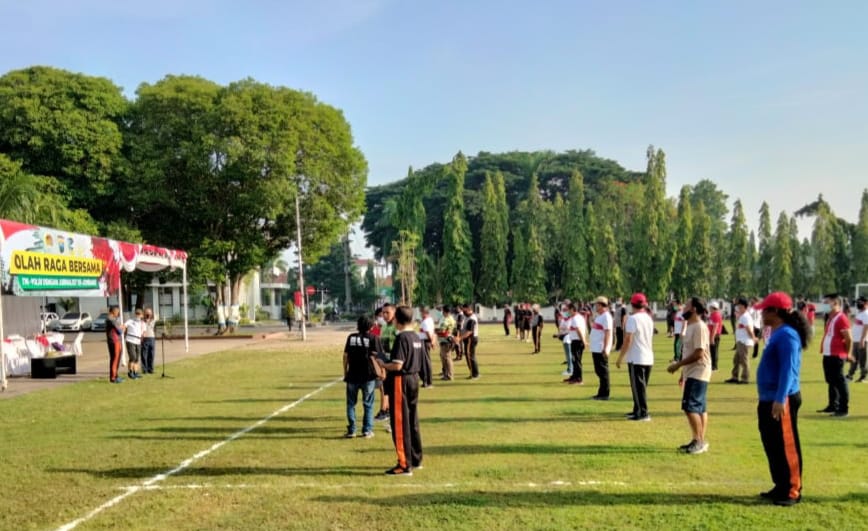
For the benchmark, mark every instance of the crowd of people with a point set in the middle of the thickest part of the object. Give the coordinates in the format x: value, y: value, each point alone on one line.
x: 403, y: 351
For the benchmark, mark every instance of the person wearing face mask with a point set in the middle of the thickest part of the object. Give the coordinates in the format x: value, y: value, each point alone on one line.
x: 446, y: 341
x: 639, y: 353
x: 860, y: 341
x: 387, y: 338
x: 577, y: 339
x: 149, y: 340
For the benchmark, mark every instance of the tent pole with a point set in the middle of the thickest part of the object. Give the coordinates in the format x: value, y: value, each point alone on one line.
x: 184, y: 300
x: 2, y: 343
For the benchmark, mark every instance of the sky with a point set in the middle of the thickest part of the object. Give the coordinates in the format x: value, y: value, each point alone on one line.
x: 767, y: 99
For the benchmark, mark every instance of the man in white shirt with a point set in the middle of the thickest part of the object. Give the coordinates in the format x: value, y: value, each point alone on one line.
x: 429, y: 339
x: 638, y: 350
x: 677, y: 329
x: 860, y: 341
x: 577, y: 338
x: 133, y: 339
x: 744, y: 341
x: 601, y: 344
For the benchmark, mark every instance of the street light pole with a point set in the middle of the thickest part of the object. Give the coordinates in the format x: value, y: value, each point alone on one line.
x: 300, y: 269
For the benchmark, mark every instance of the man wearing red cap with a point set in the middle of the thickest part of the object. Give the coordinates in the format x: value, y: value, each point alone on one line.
x: 777, y: 381
x: 835, y: 349
x: 637, y: 348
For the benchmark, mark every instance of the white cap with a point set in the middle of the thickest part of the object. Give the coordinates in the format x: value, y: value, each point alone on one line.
x: 714, y: 305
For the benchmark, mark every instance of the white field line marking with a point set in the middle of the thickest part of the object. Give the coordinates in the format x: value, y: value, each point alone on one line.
x: 187, y: 462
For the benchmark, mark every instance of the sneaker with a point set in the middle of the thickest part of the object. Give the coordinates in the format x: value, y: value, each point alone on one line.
x: 787, y: 501
x: 684, y: 447
x: 349, y: 435
x: 731, y: 380
x: 861, y: 380
x: 743, y: 382
x: 827, y: 409
x: 600, y: 397
x: 118, y: 380
x: 398, y: 471
x: 418, y: 467
x: 646, y: 418
x: 697, y: 448
x: 368, y: 434
x: 474, y: 377
x: 769, y: 494
x: 382, y: 415
x: 631, y: 414
x: 849, y: 377
x: 566, y: 373
x: 576, y: 382
x: 840, y: 414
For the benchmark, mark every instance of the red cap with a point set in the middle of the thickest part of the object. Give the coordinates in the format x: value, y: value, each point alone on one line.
x: 778, y: 299
x: 638, y: 299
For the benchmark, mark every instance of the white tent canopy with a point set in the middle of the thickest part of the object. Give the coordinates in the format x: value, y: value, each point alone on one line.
x: 40, y: 261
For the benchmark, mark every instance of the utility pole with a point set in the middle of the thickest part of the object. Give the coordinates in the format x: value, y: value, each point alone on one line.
x: 300, y: 269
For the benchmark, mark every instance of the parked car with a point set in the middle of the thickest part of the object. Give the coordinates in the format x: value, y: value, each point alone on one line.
x: 99, y: 323
x: 48, y: 320
x: 74, y: 322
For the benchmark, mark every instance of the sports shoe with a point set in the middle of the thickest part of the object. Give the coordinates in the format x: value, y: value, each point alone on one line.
x: 418, y: 467
x: 576, y: 382
x: 827, y: 409
x: 697, y: 448
x: 631, y: 414
x: 399, y: 471
x: 769, y: 494
x: 566, y: 373
x: 849, y: 377
x: 368, y: 434
x: 787, y: 501
x: 646, y: 418
x: 731, y: 380
x: 349, y: 435
x: 840, y: 414
x: 597, y: 397
x: 684, y: 448
x: 118, y: 380
x: 382, y: 415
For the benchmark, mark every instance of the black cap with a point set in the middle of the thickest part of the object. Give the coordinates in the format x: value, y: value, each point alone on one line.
x: 742, y: 301
x: 831, y: 296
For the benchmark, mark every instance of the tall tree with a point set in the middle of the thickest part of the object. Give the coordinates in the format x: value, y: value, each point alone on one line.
x: 575, y: 241
x: 764, y: 265
x: 752, y: 263
x: 491, y: 288
x: 822, y: 250
x: 681, y: 271
x: 860, y: 243
x: 458, y: 284
x: 405, y: 256
x: 702, y: 254
x: 605, y: 272
x: 64, y: 126
x: 529, y: 266
x: 714, y: 200
x: 739, y: 253
x: 800, y: 262
x: 782, y: 257
x: 652, y: 253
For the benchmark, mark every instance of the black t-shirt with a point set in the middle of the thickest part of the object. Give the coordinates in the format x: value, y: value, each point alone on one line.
x: 358, y: 348
x: 408, y: 348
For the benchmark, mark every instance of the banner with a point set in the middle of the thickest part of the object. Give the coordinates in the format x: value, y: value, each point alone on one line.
x: 40, y: 261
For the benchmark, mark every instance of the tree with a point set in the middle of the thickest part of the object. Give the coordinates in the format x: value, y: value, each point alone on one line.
x: 714, y: 201
x: 405, y: 254
x: 764, y: 266
x: 221, y: 167
x: 458, y: 284
x: 652, y: 259
x: 605, y: 273
x: 860, y: 242
x: 782, y: 257
x: 739, y: 253
x: 822, y: 250
x: 575, y: 241
x: 491, y: 288
x: 528, y: 282
x: 701, y: 255
x: 800, y: 260
x: 66, y: 127
x: 681, y: 271
x: 752, y: 262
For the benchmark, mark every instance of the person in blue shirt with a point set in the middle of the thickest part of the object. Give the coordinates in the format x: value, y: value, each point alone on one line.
x: 779, y: 396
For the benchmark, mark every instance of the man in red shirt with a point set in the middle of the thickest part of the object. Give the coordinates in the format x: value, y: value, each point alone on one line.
x: 835, y: 349
x: 715, y: 326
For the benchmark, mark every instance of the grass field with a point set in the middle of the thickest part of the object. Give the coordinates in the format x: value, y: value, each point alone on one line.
x: 516, y: 449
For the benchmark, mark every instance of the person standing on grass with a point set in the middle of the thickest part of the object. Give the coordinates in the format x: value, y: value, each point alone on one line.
x: 715, y: 327
x: 620, y: 317
x: 387, y: 339
x: 507, y: 319
x: 403, y: 383
x: 445, y: 337
x: 149, y: 340
x: 536, y: 328
x: 677, y: 329
x: 429, y: 339
x: 358, y: 351
x: 563, y: 332
x: 835, y: 349
x: 601, y: 345
x: 744, y: 341
x: 860, y: 341
x: 696, y: 366
x: 470, y: 338
x: 777, y: 379
x: 757, y: 324
x: 639, y: 351
x: 133, y: 338
x: 114, y: 332
x: 577, y: 338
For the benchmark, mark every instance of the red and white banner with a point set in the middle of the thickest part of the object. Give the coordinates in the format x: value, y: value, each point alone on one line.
x: 41, y: 261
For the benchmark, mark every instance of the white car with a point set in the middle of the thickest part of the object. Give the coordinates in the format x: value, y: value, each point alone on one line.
x: 48, y: 320
x: 74, y: 322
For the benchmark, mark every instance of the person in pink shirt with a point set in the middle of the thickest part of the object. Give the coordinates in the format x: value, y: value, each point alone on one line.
x: 715, y: 326
x: 835, y: 348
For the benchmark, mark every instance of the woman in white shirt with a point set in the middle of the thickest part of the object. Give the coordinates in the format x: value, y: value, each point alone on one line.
x: 639, y: 352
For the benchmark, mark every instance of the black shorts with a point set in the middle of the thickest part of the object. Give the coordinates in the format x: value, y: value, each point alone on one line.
x: 694, y: 398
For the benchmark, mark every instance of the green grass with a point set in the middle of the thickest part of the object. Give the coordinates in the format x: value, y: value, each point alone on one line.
x: 516, y: 449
